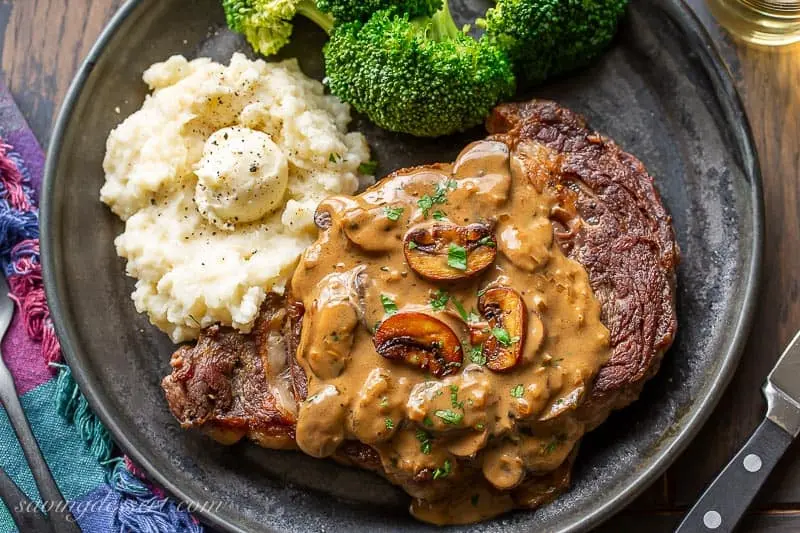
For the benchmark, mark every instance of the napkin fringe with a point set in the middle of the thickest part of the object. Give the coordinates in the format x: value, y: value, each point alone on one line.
x: 19, y: 252
x: 142, y: 507
x: 72, y: 405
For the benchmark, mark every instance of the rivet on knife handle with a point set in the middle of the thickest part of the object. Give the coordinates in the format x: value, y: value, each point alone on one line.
x: 724, y: 503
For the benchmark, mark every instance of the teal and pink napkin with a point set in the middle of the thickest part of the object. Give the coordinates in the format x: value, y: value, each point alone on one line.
x: 106, y: 492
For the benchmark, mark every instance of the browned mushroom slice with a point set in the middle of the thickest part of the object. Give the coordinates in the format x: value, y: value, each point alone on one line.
x: 419, y: 340
x: 478, y: 333
x: 507, y: 315
x: 446, y: 252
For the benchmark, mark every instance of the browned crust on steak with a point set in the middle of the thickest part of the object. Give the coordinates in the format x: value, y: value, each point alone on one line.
x: 220, y: 384
x: 614, y: 223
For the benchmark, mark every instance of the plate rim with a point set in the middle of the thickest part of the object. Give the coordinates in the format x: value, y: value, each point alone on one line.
x: 729, y: 100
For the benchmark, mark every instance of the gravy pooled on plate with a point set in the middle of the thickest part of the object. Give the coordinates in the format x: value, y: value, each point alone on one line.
x: 445, y: 328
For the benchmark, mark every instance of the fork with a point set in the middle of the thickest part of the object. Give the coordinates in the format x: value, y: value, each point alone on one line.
x: 60, y: 517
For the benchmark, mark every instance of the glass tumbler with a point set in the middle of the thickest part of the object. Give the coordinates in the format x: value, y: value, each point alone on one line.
x: 764, y: 22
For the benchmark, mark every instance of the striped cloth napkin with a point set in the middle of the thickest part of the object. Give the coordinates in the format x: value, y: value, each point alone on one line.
x: 106, y: 492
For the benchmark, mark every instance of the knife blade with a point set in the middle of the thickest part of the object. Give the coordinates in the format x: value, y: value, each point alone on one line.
x: 725, y: 501
x: 782, y: 389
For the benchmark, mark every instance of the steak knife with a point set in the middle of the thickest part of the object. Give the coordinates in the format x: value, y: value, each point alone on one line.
x: 725, y: 501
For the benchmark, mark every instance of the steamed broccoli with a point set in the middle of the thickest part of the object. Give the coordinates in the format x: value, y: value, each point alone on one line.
x: 267, y: 24
x: 422, y: 76
x: 349, y: 10
x: 549, y: 37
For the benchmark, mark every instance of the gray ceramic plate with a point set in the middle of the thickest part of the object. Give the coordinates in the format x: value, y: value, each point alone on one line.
x: 661, y: 92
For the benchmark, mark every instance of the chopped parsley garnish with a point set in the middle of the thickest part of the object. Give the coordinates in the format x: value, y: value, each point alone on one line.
x: 388, y: 305
x: 555, y: 442
x: 389, y: 423
x: 449, y: 417
x: 487, y: 241
x: 393, y: 213
x: 472, y: 316
x: 384, y: 402
x: 454, y: 397
x: 476, y: 355
x: 424, y: 439
x: 412, y: 245
x: 474, y: 499
x: 334, y: 158
x: 502, y: 336
x: 517, y: 391
x: 439, y: 300
x: 479, y: 427
x: 442, y: 471
x: 439, y: 215
x: 368, y: 167
x: 457, y: 257
x: 443, y: 187
x: 335, y: 336
x: 427, y: 421
x: 482, y: 291
x: 461, y: 311
x: 427, y: 202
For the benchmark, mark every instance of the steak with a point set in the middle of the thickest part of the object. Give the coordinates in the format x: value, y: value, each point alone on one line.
x: 614, y: 223
x: 609, y: 218
x: 223, y: 383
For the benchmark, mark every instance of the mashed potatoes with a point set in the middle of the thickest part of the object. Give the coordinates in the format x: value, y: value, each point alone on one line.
x: 217, y: 178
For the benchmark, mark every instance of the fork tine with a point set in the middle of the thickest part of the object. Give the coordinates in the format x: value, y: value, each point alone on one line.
x: 6, y: 306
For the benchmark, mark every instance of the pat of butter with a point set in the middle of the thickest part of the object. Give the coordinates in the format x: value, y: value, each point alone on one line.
x: 242, y: 177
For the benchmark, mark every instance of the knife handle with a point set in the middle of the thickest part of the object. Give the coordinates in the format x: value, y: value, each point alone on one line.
x: 724, y: 503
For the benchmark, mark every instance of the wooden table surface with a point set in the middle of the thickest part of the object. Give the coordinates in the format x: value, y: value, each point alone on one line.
x: 43, y: 42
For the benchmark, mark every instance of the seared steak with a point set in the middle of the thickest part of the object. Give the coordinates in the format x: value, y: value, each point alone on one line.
x: 614, y: 223
x: 609, y: 218
x: 223, y: 383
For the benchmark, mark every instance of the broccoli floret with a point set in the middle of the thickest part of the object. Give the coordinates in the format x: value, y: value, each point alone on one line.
x: 421, y: 76
x: 550, y: 37
x: 267, y: 24
x: 350, y: 10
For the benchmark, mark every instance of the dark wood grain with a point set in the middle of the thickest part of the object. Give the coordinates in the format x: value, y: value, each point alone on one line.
x: 768, y: 80
x: 43, y: 42
x: 666, y: 522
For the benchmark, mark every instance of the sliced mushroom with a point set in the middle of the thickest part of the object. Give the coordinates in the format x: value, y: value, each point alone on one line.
x: 570, y: 402
x: 507, y: 315
x: 503, y: 467
x: 478, y: 333
x: 431, y: 250
x: 323, y: 219
x: 419, y: 340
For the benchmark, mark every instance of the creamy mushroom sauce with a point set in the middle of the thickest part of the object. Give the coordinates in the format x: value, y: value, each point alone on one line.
x: 458, y: 444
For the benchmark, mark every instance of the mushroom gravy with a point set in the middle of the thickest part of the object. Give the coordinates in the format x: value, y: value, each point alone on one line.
x: 445, y: 328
